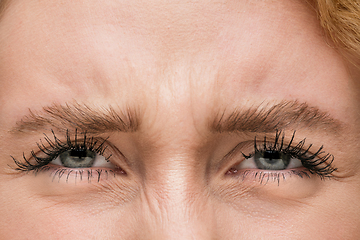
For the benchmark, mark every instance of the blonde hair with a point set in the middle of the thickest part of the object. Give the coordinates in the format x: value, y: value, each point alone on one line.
x: 341, y: 21
x: 339, y: 18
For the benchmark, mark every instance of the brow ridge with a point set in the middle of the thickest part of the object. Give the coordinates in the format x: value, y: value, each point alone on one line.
x: 270, y: 117
x: 80, y: 117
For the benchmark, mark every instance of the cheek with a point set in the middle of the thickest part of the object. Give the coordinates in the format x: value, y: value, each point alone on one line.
x: 25, y: 213
x: 286, y: 222
x: 331, y: 213
x: 37, y: 219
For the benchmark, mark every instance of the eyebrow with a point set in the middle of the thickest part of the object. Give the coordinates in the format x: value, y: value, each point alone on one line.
x: 270, y: 117
x: 79, y: 117
x: 4, y: 4
x: 266, y: 117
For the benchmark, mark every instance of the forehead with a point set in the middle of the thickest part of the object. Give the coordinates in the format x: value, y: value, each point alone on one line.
x: 213, y: 52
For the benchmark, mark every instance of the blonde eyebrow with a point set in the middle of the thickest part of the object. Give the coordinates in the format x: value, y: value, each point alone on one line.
x: 78, y: 117
x: 269, y: 117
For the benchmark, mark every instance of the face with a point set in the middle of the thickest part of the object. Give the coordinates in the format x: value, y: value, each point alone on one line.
x: 175, y: 120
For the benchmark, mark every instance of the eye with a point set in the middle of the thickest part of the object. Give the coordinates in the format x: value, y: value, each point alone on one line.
x: 74, y: 158
x: 81, y: 158
x: 269, y: 160
x: 275, y: 156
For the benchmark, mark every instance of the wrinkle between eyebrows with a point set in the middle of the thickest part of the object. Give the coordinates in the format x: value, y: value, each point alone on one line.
x: 80, y: 117
x: 269, y: 117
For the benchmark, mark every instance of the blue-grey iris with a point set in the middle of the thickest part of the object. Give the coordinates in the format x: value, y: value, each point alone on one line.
x: 272, y: 160
x: 77, y: 158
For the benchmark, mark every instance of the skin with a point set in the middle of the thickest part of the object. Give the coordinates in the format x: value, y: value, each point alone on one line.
x: 177, y: 64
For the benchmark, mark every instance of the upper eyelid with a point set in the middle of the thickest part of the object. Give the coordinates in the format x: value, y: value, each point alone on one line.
x: 249, y: 144
x: 55, y: 146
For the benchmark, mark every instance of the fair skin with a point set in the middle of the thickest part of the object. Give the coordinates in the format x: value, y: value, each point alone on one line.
x: 176, y: 67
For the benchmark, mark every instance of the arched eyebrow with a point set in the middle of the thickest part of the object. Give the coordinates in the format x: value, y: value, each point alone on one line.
x: 78, y: 117
x: 270, y: 117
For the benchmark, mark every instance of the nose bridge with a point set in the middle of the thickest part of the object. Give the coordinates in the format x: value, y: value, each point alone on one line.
x: 175, y: 194
x: 178, y: 210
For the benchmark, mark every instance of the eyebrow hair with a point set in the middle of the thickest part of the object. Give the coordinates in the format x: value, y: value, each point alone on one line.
x: 4, y: 4
x: 266, y: 117
x: 269, y: 117
x: 79, y: 117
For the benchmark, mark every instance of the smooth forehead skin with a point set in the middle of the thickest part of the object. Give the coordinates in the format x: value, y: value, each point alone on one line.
x: 178, y: 64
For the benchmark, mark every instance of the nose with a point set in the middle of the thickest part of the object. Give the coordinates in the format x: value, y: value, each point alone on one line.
x: 179, y: 210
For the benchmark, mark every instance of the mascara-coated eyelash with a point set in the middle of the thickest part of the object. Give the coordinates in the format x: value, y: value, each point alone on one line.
x: 56, y: 147
x: 269, y: 152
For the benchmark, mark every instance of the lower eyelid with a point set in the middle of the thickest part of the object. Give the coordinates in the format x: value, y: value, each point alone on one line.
x: 77, y: 175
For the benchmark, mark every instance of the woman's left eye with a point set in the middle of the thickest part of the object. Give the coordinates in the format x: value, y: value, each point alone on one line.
x: 269, y: 160
x: 277, y: 156
x: 81, y: 158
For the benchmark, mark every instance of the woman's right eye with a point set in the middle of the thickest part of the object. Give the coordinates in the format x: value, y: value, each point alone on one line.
x: 69, y: 158
x: 81, y: 158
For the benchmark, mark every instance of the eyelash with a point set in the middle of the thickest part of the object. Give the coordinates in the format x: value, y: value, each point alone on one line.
x: 56, y: 147
x: 318, y: 163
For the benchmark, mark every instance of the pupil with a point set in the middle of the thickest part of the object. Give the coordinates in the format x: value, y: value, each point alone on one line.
x: 271, y: 160
x: 272, y: 156
x: 78, y: 154
x: 78, y: 158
